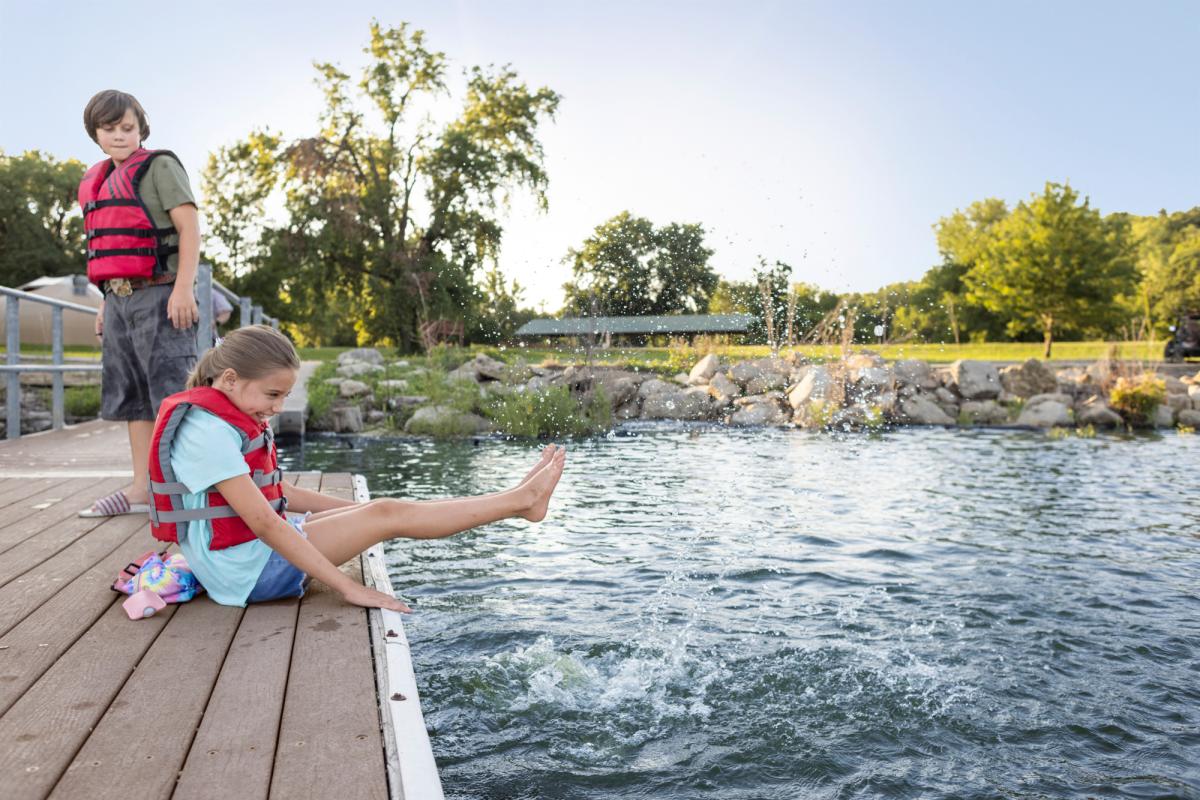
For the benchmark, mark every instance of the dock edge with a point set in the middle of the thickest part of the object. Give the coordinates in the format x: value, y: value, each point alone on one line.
x: 411, y: 770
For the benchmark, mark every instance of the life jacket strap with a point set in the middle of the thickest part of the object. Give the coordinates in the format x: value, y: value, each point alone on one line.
x: 259, y: 477
x: 162, y: 250
x: 141, y: 233
x: 92, y: 205
x: 159, y: 517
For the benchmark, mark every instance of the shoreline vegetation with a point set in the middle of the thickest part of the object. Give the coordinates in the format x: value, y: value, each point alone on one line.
x: 461, y: 392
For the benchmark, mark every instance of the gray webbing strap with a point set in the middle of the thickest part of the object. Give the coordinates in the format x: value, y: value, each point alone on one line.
x: 214, y: 512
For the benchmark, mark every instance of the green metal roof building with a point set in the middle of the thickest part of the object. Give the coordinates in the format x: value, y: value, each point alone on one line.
x: 619, y: 326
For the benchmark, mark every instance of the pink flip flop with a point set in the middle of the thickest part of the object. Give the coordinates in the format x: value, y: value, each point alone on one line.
x: 114, y: 505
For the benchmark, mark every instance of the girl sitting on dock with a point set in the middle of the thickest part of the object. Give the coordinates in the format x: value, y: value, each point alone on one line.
x: 217, y: 490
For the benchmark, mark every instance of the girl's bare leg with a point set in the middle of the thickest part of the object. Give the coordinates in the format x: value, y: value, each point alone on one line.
x: 342, y: 535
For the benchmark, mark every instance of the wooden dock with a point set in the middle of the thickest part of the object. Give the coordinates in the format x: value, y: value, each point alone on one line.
x: 278, y: 700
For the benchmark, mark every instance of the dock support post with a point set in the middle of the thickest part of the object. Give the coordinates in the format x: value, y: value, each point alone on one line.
x: 13, y: 354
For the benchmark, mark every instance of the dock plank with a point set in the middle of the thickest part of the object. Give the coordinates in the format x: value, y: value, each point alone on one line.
x: 234, y: 752
x: 49, y: 507
x: 330, y: 744
x: 43, y: 730
x: 13, y: 490
x: 32, y: 646
x: 163, y: 700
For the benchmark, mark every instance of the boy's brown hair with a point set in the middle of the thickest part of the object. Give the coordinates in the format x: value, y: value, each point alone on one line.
x: 108, y: 107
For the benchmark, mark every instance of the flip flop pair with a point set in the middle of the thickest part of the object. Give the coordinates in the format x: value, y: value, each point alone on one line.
x: 115, y: 505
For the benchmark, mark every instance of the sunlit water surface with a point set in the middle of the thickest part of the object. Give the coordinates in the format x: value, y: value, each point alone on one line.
x: 711, y: 613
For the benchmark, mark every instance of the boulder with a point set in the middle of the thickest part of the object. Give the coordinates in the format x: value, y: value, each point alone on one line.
x: 1095, y: 412
x: 347, y: 419
x: 1054, y: 397
x: 652, y: 387
x: 975, y: 380
x: 944, y: 397
x: 1194, y: 394
x: 915, y: 373
x: 765, y: 409
x: 745, y: 371
x: 723, y: 389
x: 629, y: 410
x: 920, y: 410
x: 1178, y: 401
x: 686, y: 404
x: 1189, y: 417
x: 818, y: 384
x: 768, y: 381
x: 871, y: 380
x: 350, y: 388
x: 356, y: 368
x: 367, y: 355
x: 864, y: 360
x: 682, y: 379
x: 983, y: 412
x: 396, y: 385
x: 375, y: 416
x: 705, y: 368
x: 1163, y: 417
x: 1173, y: 384
x: 1046, y: 414
x: 445, y: 421
x: 1028, y: 379
x: 481, y: 368
x: 406, y: 401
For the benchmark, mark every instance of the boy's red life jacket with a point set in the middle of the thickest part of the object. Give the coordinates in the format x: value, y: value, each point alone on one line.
x: 122, y: 239
x: 166, y: 493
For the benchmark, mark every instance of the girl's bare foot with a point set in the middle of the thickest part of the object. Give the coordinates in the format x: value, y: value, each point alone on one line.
x: 541, y: 486
x: 547, y: 454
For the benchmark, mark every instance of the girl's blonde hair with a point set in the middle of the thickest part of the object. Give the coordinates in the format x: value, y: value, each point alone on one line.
x: 252, y: 352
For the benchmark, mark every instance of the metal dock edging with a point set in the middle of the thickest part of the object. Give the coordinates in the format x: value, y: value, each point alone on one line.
x: 412, y: 771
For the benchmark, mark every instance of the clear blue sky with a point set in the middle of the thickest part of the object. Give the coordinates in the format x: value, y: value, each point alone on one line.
x: 829, y: 135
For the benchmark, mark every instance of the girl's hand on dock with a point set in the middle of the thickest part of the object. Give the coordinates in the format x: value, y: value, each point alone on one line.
x: 369, y: 598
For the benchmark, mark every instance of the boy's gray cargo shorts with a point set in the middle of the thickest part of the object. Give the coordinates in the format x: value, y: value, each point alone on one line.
x: 146, y: 358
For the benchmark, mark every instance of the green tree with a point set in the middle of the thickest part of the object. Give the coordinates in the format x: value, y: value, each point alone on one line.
x: 942, y: 297
x: 1054, y: 264
x: 390, y: 216
x: 1168, y: 261
x: 41, y: 226
x: 627, y: 267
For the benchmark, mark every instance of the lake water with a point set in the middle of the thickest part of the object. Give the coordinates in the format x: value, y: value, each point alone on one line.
x: 713, y: 613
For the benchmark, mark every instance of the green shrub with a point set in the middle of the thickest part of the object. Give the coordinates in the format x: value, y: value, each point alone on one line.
x: 442, y: 391
x: 1136, y: 398
x: 554, y: 412
x: 445, y: 357
x: 320, y: 393
x: 82, y: 401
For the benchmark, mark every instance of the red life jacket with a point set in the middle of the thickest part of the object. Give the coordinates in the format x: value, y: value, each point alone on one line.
x: 123, y: 241
x: 166, y: 494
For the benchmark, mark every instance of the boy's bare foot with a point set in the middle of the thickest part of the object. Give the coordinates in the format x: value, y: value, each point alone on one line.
x: 542, y: 486
x: 547, y: 454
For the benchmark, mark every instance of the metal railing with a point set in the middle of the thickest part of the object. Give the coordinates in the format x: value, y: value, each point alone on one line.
x: 249, y: 314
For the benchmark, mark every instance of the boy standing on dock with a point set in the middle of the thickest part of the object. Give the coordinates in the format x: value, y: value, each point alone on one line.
x: 143, y: 237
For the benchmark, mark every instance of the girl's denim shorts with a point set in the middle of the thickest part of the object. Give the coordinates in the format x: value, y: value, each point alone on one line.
x: 279, y: 579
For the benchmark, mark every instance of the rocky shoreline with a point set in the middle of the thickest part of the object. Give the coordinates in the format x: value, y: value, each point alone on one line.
x: 861, y: 391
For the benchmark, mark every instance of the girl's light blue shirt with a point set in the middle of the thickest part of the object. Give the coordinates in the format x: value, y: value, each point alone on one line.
x: 207, y: 450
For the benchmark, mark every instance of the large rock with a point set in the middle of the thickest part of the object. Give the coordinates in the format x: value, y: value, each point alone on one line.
x: 818, y: 383
x: 1173, y: 385
x: 629, y: 410
x: 1095, y: 412
x: 745, y: 371
x: 445, y: 421
x: 975, y: 380
x: 920, y: 410
x: 654, y: 386
x: 349, y: 388
x: 1053, y: 397
x: 983, y: 412
x: 1163, y: 417
x: 355, y: 369
x: 367, y: 355
x: 1189, y: 417
x: 396, y: 385
x: 1046, y: 414
x: 481, y: 368
x: 723, y: 389
x: 865, y: 360
x: 1178, y: 401
x: 406, y: 401
x: 768, y: 381
x: 915, y: 373
x: 1194, y: 393
x: 347, y: 419
x: 765, y: 409
x: 686, y: 404
x: 1028, y: 379
x: 705, y: 368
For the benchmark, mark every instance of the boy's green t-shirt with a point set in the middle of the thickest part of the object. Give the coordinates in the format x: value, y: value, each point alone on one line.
x: 165, y: 186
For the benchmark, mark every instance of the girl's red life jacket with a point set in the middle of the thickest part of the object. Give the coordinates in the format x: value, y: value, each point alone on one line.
x: 122, y: 239
x: 166, y: 493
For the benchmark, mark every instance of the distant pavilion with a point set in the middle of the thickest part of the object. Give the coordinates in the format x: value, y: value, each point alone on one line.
x: 604, y: 328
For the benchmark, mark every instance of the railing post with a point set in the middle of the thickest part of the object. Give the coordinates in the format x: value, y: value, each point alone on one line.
x: 57, y: 415
x: 245, y: 306
x: 204, y: 301
x: 13, y: 342
x: 257, y: 315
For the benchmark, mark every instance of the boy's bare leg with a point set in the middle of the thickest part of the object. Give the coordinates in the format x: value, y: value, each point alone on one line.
x: 547, y: 453
x: 342, y: 536
x: 141, y: 431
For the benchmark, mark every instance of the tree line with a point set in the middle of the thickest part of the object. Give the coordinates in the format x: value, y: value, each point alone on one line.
x: 387, y: 226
